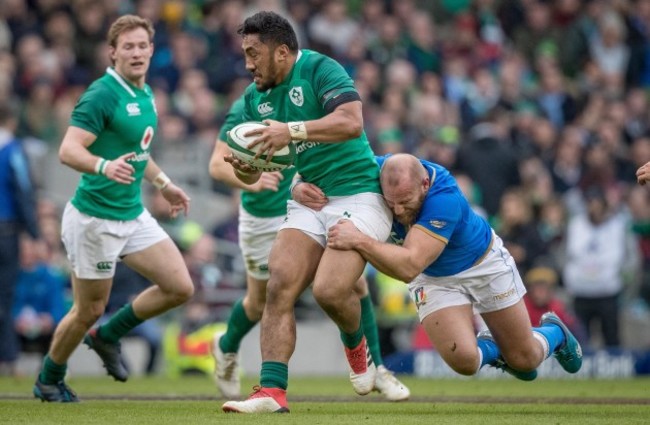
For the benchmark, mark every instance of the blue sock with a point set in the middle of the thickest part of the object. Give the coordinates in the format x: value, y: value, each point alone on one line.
x: 489, y: 350
x: 553, y: 334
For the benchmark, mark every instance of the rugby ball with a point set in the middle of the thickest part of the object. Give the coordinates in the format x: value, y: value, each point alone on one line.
x: 238, y: 145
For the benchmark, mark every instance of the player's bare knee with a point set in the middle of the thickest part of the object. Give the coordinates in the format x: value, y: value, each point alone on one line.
x: 326, y: 296
x: 181, y: 293
x: 89, y: 313
x: 464, y: 365
x: 186, y: 292
x: 254, y: 307
x: 462, y: 361
x: 279, y: 294
x: 522, y: 360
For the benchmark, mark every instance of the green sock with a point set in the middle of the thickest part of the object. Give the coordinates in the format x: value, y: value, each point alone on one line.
x: 370, y: 329
x: 238, y: 326
x: 274, y: 375
x: 352, y: 340
x: 119, y: 325
x: 51, y: 373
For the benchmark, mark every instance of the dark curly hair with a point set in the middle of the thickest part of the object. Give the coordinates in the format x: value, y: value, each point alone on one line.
x: 271, y: 28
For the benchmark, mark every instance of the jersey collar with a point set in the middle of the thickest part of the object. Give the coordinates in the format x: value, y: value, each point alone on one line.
x: 110, y: 71
x: 432, y: 177
x: 290, y: 74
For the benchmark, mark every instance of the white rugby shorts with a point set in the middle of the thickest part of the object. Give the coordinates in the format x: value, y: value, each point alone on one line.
x: 491, y: 285
x: 256, y: 236
x: 367, y: 211
x: 94, y: 245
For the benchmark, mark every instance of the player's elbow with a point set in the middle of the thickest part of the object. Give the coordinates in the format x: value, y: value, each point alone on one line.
x: 220, y: 170
x: 355, y: 128
x: 408, y: 276
x: 215, y: 170
x: 64, y: 154
x: 409, y: 272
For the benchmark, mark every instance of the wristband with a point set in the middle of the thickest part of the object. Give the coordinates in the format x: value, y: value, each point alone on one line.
x: 100, y: 165
x: 295, y: 183
x: 297, y: 130
x: 161, y: 181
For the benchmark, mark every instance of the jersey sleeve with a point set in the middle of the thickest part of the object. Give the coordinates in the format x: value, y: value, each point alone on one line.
x: 331, y: 80
x: 233, y: 118
x: 440, y: 215
x: 380, y: 159
x: 94, y: 110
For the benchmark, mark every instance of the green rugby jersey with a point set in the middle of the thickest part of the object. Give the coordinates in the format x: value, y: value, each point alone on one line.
x: 124, y: 119
x: 339, y: 169
x: 266, y: 203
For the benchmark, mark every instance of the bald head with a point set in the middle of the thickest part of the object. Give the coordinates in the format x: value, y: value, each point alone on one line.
x: 404, y: 182
x: 401, y: 169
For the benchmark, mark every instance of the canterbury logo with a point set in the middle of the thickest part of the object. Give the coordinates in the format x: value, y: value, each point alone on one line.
x: 104, y: 266
x: 265, y: 108
x: 133, y: 109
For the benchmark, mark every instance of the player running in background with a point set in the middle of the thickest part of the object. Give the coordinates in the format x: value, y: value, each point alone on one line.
x: 109, y: 141
x: 262, y: 210
x: 455, y: 263
x: 307, y: 98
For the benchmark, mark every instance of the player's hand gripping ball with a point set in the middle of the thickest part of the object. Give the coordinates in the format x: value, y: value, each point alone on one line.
x: 238, y: 145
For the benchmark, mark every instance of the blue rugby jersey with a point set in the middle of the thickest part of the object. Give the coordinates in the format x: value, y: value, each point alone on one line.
x: 446, y: 215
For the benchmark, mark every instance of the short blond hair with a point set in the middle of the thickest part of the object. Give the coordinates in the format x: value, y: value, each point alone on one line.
x: 128, y: 23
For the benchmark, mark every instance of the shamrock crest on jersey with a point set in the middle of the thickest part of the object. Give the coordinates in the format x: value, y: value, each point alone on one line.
x: 295, y: 94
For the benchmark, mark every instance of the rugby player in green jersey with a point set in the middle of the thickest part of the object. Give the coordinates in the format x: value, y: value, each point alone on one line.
x: 261, y: 214
x: 108, y: 142
x: 307, y: 98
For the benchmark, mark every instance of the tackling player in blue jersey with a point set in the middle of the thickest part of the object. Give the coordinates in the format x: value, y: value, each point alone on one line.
x: 455, y: 264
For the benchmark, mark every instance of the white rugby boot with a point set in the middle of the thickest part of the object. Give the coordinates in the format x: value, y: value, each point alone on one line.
x: 389, y: 386
x: 226, y: 369
x: 262, y: 400
x: 362, y: 369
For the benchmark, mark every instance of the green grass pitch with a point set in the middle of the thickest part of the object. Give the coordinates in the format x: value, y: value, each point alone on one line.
x: 330, y: 400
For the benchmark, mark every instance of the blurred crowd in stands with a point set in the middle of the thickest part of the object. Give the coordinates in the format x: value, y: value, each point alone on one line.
x: 538, y: 107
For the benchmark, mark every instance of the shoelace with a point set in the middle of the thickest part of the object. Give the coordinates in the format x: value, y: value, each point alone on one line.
x: 111, y: 346
x: 390, y: 376
x: 67, y: 392
x: 231, y: 363
x: 257, y: 392
x: 567, y: 354
x: 499, y: 363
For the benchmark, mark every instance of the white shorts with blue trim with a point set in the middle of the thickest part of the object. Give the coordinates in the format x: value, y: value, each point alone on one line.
x: 491, y: 285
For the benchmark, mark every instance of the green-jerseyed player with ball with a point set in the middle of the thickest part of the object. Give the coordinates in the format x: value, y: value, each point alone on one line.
x: 307, y: 98
x: 262, y: 211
